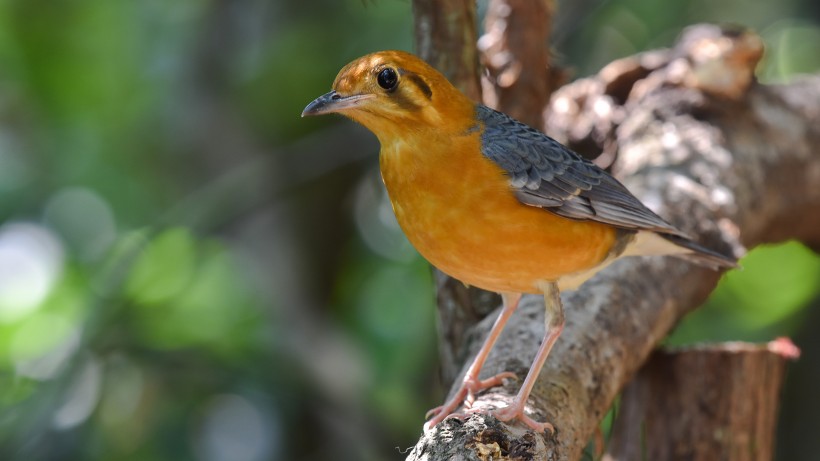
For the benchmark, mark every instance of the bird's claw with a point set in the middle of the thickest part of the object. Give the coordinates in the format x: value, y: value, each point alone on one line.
x: 516, y: 411
x: 465, y: 396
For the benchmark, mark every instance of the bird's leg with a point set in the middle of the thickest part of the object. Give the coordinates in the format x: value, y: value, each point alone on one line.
x: 471, y: 384
x: 554, y: 323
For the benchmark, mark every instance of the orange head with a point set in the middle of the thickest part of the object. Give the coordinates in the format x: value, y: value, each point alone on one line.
x: 393, y: 93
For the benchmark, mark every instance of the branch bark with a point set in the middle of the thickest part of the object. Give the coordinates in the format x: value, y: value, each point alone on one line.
x: 713, y: 403
x: 726, y: 159
x: 516, y: 53
x: 446, y: 34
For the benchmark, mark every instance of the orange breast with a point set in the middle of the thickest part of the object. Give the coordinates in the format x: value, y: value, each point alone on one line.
x: 457, y: 209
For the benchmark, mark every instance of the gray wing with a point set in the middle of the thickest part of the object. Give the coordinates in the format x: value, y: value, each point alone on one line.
x: 546, y: 174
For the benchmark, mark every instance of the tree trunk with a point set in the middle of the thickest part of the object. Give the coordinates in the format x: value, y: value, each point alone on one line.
x: 714, y: 403
x: 446, y: 34
x: 515, y: 51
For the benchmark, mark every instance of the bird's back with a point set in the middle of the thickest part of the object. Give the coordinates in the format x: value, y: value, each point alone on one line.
x: 456, y: 207
x: 501, y: 206
x: 546, y: 174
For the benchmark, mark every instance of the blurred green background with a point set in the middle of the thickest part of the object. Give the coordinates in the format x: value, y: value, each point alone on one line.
x: 189, y: 271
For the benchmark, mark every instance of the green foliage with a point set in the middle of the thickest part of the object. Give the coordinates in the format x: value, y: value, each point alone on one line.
x: 760, y: 301
x: 187, y: 293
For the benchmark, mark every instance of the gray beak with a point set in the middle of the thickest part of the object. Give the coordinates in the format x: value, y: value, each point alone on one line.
x: 333, y: 102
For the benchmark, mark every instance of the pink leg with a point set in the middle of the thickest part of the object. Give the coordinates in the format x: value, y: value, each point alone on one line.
x: 554, y: 325
x: 471, y: 384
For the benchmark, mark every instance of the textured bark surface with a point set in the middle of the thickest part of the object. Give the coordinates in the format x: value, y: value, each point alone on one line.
x: 515, y: 51
x: 733, y: 388
x: 445, y: 32
x: 732, y: 162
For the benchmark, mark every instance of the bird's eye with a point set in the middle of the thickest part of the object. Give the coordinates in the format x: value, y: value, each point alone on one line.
x: 387, y: 79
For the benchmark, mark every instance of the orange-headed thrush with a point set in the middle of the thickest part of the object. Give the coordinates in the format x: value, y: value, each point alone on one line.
x: 493, y: 202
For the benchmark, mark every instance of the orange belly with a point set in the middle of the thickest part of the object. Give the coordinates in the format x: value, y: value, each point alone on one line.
x: 457, y: 209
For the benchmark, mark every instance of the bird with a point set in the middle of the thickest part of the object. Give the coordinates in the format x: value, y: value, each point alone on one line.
x: 495, y: 204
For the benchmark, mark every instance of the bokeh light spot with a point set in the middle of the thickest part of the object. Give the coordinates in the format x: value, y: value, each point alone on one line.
x: 233, y: 429
x: 42, y: 345
x: 81, y: 397
x: 164, y: 269
x: 83, y: 219
x: 31, y: 261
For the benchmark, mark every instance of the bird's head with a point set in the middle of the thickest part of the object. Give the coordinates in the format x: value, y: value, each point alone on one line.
x: 393, y: 93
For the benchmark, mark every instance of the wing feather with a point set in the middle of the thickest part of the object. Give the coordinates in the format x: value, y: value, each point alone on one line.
x: 546, y: 174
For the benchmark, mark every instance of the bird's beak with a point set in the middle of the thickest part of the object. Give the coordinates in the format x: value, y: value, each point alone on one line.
x: 334, y: 102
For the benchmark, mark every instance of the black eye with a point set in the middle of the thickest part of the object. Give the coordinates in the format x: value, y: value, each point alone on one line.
x: 387, y: 79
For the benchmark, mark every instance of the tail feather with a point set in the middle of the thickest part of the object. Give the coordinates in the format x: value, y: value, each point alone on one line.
x: 701, y: 255
x: 650, y: 243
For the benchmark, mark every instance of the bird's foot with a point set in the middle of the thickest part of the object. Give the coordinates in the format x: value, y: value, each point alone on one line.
x: 516, y: 411
x: 466, y: 396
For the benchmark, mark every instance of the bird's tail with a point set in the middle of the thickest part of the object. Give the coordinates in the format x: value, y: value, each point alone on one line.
x: 651, y: 243
x: 699, y: 254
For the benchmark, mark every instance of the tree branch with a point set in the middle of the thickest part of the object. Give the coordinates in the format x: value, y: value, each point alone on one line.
x: 728, y: 160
